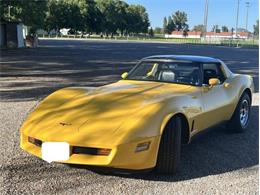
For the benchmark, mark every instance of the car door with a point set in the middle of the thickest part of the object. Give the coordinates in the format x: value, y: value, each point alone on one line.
x: 215, y: 98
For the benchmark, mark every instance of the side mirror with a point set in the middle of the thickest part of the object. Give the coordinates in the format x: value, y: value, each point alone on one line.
x: 124, y: 75
x: 214, y: 82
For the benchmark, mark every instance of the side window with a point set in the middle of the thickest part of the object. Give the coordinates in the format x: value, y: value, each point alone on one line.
x: 212, y: 71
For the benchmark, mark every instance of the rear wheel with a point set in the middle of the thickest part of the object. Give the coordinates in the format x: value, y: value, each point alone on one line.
x: 170, y: 147
x: 240, y: 118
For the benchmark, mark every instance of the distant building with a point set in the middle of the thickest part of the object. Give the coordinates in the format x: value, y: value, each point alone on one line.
x: 241, y: 35
x: 214, y: 35
x: 182, y: 34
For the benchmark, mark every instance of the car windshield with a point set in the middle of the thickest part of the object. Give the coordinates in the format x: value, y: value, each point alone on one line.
x: 170, y: 72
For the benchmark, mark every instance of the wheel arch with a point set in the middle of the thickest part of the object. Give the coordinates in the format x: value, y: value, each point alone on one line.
x: 185, y: 131
x: 246, y: 90
x: 249, y: 92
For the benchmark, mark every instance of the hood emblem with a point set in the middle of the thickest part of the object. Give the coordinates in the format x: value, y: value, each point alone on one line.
x: 65, y: 124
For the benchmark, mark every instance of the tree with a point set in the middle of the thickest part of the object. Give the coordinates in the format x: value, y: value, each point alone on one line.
x: 108, y: 9
x: 144, y: 18
x: 232, y: 31
x: 165, y: 26
x: 92, y: 16
x: 180, y: 19
x: 118, y: 15
x: 158, y: 30
x: 199, y: 28
x: 224, y: 29
x: 64, y: 14
x: 137, y: 19
x: 30, y: 13
x: 256, y: 28
x: 185, y: 33
x: 106, y: 16
x: 151, y: 32
x: 170, y: 25
x: 215, y: 29
x: 121, y: 20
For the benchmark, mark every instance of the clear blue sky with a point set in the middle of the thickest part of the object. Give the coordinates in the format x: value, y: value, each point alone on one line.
x: 221, y: 12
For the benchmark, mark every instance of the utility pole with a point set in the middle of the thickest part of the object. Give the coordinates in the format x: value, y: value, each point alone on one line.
x: 237, y: 16
x: 247, y: 8
x: 206, y: 17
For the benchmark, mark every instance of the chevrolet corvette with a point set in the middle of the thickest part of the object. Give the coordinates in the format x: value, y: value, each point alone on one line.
x: 141, y: 121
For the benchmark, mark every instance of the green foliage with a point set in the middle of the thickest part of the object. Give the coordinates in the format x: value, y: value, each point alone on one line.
x: 158, y: 30
x: 165, y: 26
x: 101, y: 16
x: 224, y: 29
x: 151, y: 32
x: 138, y: 21
x: 256, y: 28
x: 178, y: 21
x: 29, y: 12
x: 199, y: 28
x: 215, y: 29
x: 170, y: 25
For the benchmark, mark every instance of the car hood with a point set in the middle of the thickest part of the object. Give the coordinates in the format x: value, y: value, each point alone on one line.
x: 71, y: 114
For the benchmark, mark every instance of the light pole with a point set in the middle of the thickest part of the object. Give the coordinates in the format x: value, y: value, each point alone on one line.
x: 247, y: 7
x: 9, y: 12
x: 206, y: 17
x: 237, y: 16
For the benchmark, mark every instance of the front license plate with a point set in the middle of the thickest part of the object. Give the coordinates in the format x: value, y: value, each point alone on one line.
x: 55, y: 151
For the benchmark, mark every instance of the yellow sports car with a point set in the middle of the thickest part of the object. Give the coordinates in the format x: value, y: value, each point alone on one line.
x: 140, y: 121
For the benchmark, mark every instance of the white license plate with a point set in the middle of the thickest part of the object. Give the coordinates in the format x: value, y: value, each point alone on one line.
x: 55, y: 151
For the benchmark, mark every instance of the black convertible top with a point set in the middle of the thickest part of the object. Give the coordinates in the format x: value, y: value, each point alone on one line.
x: 191, y: 58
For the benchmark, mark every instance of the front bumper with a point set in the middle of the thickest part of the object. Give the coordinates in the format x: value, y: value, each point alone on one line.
x: 123, y: 156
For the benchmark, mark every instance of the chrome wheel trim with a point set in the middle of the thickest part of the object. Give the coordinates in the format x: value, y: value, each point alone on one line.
x: 244, y: 113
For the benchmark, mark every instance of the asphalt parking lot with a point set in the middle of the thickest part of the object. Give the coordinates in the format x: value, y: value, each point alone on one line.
x: 216, y: 163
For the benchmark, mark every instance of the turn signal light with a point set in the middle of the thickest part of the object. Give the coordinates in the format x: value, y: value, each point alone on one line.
x: 142, y: 146
x: 35, y: 141
x: 103, y: 151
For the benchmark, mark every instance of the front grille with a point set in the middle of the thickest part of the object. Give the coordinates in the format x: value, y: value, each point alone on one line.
x: 91, y: 151
x: 34, y: 141
x: 84, y: 150
x: 76, y: 149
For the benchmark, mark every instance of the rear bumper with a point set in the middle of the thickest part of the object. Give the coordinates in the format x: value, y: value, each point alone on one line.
x: 123, y: 156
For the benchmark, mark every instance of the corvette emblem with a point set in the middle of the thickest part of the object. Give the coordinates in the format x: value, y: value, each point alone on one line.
x: 63, y: 124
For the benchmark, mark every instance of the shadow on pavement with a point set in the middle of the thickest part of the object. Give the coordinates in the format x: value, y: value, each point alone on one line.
x: 215, y: 152
x: 28, y: 74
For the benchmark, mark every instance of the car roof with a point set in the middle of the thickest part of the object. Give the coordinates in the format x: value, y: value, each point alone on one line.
x: 191, y: 58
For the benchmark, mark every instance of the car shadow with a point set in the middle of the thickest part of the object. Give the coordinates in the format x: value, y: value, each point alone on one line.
x: 215, y: 152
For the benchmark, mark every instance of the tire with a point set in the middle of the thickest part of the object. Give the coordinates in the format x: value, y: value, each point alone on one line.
x: 170, y: 148
x: 237, y: 124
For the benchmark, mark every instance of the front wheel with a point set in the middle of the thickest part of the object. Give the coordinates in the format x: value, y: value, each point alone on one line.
x: 240, y: 119
x: 170, y: 147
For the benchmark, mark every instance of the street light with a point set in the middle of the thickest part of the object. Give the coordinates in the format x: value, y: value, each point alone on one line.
x: 206, y: 17
x: 237, y: 16
x: 247, y: 7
